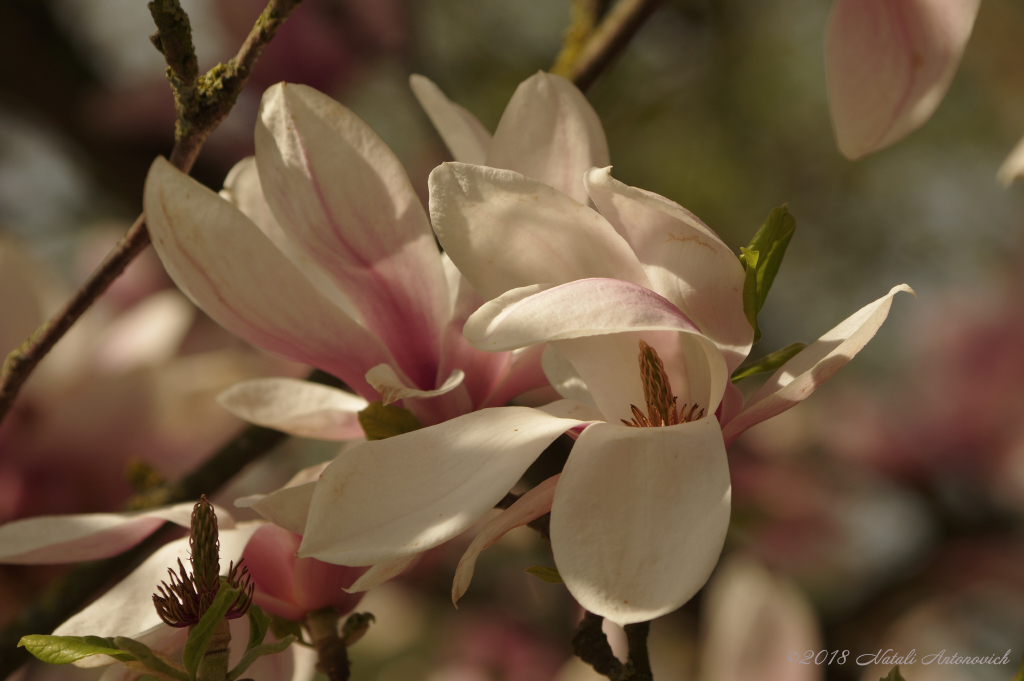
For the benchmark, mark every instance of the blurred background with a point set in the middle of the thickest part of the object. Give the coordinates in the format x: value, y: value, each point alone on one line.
x: 885, y: 512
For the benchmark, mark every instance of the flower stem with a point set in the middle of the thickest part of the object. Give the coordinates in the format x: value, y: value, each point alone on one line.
x: 332, y: 655
x: 202, y: 103
x: 214, y: 665
x: 591, y: 645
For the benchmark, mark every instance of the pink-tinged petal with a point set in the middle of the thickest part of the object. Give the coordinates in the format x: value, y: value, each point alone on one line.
x: 586, y: 307
x: 58, y: 539
x: 550, y: 132
x: 345, y: 199
x: 564, y: 378
x: 270, y: 558
x: 243, y: 189
x: 149, y: 333
x: 466, y: 137
x: 596, y: 324
x: 686, y: 262
x: 391, y: 388
x: 122, y: 611
x: 385, y: 499
x: 504, y: 230
x: 1013, y: 167
x: 296, y: 407
x: 484, y: 370
x: 753, y: 621
x: 890, y: 63
x: 815, y: 364
x: 732, y: 404
x: 530, y: 506
x: 382, y: 572
x: 525, y: 374
x: 640, y: 516
x: 223, y: 263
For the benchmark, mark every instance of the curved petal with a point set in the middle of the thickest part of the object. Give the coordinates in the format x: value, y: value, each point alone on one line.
x: 58, y: 539
x: 223, y: 263
x: 890, y: 63
x: 296, y: 407
x: 391, y: 498
x: 504, y: 230
x: 391, y: 388
x: 530, y: 506
x: 812, y: 366
x: 550, y: 132
x: 686, y: 262
x: 564, y: 378
x: 466, y: 137
x: 345, y: 199
x: 242, y: 188
x: 118, y: 612
x: 287, y: 507
x: 525, y: 374
x: 148, y: 333
x: 640, y: 516
x: 1013, y: 167
x: 382, y: 572
x: 586, y: 307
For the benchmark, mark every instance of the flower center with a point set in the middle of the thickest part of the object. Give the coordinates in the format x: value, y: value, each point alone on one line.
x: 661, y: 403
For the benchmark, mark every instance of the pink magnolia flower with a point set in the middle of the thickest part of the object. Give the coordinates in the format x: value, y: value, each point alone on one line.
x: 319, y: 250
x: 890, y: 63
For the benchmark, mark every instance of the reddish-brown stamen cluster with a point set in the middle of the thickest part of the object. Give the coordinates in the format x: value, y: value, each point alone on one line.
x: 661, y: 403
x: 184, y: 601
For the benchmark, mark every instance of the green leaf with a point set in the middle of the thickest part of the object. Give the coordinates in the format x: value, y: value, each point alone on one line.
x: 545, y: 573
x: 281, y: 627
x: 761, y: 261
x: 253, y: 654
x: 258, y: 623
x: 199, y: 638
x: 65, y: 649
x: 381, y: 421
x: 768, y: 362
x: 894, y: 675
x: 144, y: 655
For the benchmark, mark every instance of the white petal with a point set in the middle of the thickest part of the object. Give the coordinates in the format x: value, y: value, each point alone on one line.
x: 57, y: 539
x: 148, y: 333
x: 550, y: 132
x: 126, y: 609
x: 346, y: 201
x: 296, y: 407
x: 391, y: 388
x: 287, y: 507
x: 570, y: 409
x: 382, y: 572
x: 815, y: 364
x: 685, y: 260
x: 530, y: 506
x: 466, y: 138
x: 890, y: 63
x: 504, y: 230
x: 640, y: 516
x: 1013, y: 166
x: 564, y: 378
x: 390, y: 498
x: 220, y: 260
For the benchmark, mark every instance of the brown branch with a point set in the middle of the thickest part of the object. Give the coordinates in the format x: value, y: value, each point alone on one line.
x: 609, y: 39
x: 591, y: 645
x: 202, y: 103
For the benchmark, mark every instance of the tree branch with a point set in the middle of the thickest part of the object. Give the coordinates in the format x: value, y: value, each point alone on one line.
x: 591, y: 645
x: 609, y: 39
x: 202, y: 103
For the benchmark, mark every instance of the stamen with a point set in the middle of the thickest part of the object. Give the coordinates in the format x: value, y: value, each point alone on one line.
x: 661, y: 403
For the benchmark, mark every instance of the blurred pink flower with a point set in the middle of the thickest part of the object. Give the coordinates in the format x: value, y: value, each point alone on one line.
x: 890, y: 63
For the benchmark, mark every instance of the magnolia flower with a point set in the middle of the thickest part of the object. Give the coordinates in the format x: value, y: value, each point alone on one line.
x: 319, y: 250
x: 890, y: 63
x: 639, y: 515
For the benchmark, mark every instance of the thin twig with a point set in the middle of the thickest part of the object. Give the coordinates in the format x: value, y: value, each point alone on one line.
x: 202, y: 103
x: 609, y: 39
x: 584, y: 18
